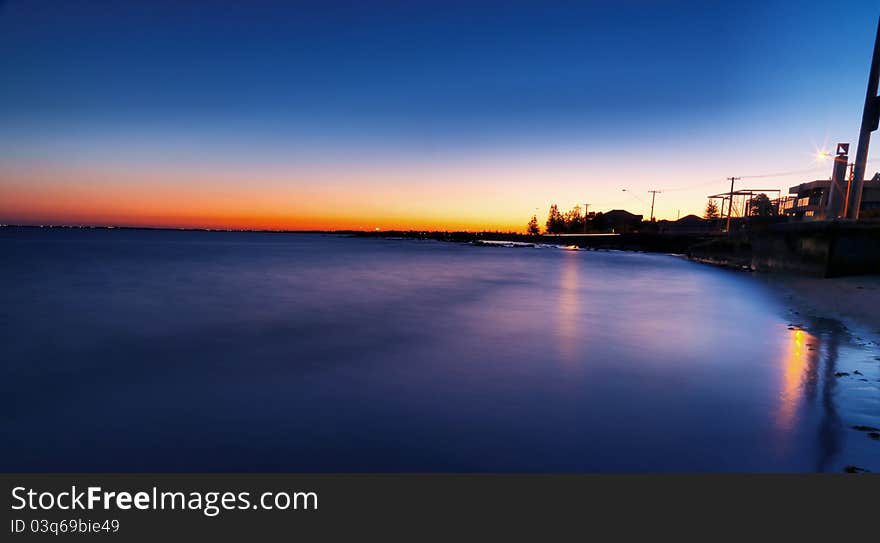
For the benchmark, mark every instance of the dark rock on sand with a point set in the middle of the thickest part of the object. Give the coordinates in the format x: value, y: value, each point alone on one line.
x: 863, y: 428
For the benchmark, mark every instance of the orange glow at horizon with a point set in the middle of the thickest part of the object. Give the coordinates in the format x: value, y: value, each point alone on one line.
x: 480, y: 193
x: 231, y: 202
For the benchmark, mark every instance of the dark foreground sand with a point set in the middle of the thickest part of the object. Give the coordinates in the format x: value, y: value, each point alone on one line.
x: 853, y: 299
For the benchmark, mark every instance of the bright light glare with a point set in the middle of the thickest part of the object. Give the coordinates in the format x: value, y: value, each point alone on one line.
x: 821, y: 156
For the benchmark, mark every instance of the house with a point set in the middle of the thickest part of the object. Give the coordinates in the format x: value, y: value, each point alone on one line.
x: 689, y: 224
x: 617, y: 221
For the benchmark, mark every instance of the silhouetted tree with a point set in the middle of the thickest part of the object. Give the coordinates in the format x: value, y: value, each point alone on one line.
x: 574, y: 222
x: 761, y: 206
x: 711, y: 210
x: 533, y: 229
x: 555, y: 221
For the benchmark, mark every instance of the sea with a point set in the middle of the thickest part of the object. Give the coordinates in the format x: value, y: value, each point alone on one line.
x: 181, y: 351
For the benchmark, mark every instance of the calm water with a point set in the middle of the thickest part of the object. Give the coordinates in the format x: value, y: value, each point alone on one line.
x: 164, y: 351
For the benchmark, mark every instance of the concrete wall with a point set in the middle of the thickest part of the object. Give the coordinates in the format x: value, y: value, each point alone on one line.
x: 818, y: 248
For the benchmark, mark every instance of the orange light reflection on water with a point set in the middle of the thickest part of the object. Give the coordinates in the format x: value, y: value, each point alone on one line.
x: 799, y: 358
x: 569, y: 308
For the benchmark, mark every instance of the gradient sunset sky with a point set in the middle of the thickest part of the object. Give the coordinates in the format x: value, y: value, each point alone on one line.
x: 426, y: 115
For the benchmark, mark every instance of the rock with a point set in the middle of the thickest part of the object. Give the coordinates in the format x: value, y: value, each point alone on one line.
x: 863, y: 428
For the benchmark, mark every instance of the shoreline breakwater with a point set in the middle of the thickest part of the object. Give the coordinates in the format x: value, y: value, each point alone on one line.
x: 816, y: 248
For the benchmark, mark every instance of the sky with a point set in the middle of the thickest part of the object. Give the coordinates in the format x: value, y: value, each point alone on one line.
x: 415, y: 114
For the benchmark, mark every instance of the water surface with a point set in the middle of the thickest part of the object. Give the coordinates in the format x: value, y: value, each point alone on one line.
x: 128, y: 350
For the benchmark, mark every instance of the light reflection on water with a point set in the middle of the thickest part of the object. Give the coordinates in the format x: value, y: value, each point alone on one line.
x: 798, y: 364
x: 166, y: 351
x: 570, y: 336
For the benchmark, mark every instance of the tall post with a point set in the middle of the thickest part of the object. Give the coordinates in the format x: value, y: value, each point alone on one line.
x: 730, y: 203
x: 870, y: 117
x: 848, y: 185
x: 586, y: 209
x: 837, y: 191
x: 653, y: 195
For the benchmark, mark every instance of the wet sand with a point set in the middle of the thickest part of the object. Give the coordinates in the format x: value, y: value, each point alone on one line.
x: 853, y: 299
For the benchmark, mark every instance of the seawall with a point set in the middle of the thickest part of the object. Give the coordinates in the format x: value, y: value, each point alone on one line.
x: 816, y: 249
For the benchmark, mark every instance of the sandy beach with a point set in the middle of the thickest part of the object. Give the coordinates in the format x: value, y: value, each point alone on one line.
x: 854, y: 299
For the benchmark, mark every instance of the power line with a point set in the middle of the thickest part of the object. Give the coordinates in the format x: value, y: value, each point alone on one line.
x: 698, y: 185
x: 758, y: 176
x: 782, y: 174
x: 715, y: 181
x: 634, y: 196
x: 755, y: 176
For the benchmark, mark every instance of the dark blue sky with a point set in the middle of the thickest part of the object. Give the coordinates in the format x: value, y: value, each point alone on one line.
x: 439, y: 72
x: 743, y: 87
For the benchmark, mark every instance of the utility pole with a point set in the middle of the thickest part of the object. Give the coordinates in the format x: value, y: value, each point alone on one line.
x: 653, y: 195
x: 730, y: 203
x: 870, y: 118
x: 586, y: 209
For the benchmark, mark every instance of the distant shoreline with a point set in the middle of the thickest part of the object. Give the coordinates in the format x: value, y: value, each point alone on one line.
x: 414, y: 234
x: 171, y: 229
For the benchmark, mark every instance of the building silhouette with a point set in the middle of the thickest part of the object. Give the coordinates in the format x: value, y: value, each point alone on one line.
x: 809, y: 200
